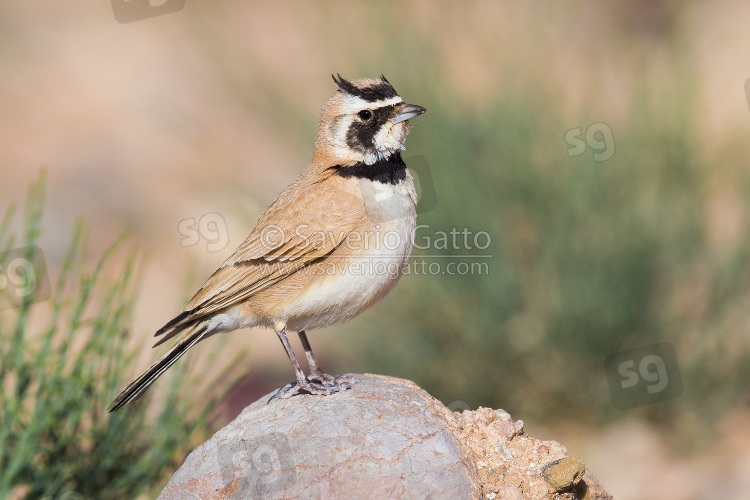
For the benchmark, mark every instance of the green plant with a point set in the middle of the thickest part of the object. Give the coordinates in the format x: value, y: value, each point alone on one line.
x: 58, y: 378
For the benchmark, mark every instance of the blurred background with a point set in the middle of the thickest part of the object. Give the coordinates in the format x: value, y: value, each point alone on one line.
x: 599, y: 150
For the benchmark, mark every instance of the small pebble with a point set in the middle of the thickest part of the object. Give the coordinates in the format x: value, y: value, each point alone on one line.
x: 565, y: 473
x: 501, y: 414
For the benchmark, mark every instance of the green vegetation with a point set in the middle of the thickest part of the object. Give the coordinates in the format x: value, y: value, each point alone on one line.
x: 58, y: 378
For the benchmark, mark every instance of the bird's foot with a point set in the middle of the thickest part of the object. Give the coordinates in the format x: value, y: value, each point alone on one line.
x: 330, y: 386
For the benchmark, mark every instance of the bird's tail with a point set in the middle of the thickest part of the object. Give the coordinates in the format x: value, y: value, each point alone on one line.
x: 137, y: 387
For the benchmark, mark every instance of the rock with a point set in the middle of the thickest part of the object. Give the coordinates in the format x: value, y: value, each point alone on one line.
x: 514, y: 465
x: 564, y: 474
x: 384, y: 438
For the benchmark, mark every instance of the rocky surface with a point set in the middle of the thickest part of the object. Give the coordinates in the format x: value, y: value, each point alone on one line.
x: 514, y: 465
x: 385, y: 438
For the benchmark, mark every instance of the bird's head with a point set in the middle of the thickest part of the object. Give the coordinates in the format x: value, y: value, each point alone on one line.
x: 365, y: 121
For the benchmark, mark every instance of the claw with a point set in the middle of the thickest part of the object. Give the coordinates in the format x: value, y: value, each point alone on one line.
x: 320, y: 384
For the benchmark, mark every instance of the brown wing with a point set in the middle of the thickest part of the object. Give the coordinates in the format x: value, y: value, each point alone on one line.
x: 299, y: 227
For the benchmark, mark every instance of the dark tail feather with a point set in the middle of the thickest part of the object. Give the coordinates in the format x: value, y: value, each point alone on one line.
x: 173, y: 323
x: 138, y: 386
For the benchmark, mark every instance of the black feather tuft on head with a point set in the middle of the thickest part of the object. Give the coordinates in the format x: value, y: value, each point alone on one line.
x: 376, y: 92
x: 344, y: 85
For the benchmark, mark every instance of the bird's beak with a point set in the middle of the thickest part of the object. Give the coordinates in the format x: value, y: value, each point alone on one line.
x: 407, y: 112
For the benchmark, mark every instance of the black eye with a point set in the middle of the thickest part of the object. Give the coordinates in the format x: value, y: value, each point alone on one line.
x: 365, y: 114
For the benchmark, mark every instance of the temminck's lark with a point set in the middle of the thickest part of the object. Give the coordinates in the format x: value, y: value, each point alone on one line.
x: 332, y: 244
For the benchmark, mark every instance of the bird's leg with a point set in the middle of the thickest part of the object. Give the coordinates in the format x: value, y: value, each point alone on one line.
x: 303, y: 384
x: 314, y: 368
x: 301, y: 380
x: 317, y: 374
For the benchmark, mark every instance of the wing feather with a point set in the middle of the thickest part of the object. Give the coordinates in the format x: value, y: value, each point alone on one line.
x: 297, y: 229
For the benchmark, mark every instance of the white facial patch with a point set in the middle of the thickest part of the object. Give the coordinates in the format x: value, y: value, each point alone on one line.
x: 390, y: 138
x: 353, y: 104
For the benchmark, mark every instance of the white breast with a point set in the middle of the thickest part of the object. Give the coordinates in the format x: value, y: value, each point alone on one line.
x: 369, y: 268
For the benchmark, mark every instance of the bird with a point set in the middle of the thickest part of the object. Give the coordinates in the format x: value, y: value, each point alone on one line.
x: 332, y: 244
